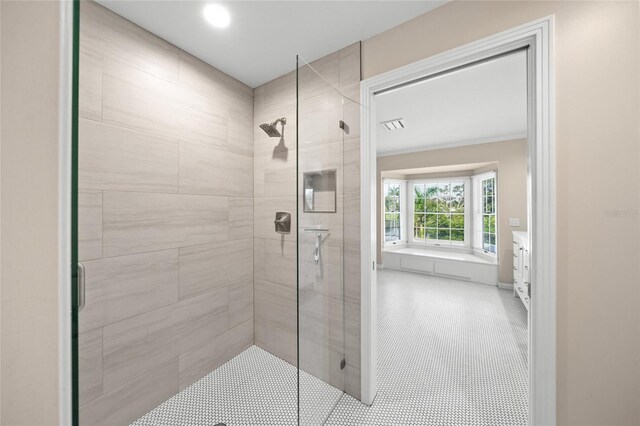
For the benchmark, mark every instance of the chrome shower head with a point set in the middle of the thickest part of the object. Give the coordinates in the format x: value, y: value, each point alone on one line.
x: 271, y: 130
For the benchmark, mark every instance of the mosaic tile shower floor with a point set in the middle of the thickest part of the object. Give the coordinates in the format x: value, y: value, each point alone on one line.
x: 450, y: 353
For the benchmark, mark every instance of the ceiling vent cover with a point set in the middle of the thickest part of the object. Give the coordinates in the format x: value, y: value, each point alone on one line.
x: 395, y: 124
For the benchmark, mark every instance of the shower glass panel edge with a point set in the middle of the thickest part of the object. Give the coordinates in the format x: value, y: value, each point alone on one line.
x: 75, y: 391
x: 320, y: 244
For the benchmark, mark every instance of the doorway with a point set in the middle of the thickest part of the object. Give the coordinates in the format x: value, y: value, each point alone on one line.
x: 534, y: 39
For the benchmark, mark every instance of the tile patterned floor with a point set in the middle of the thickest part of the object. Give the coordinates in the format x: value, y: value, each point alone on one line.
x: 450, y: 353
x: 254, y: 388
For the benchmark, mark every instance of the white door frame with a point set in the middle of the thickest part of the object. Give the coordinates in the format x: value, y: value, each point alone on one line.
x: 538, y: 35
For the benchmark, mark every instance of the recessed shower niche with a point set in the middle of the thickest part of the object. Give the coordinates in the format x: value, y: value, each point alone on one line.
x: 320, y: 191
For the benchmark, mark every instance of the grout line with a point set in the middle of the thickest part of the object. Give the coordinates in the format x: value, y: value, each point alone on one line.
x: 166, y: 193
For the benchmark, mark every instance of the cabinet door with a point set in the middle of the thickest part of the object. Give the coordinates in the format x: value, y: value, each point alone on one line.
x: 516, y: 262
x: 526, y: 272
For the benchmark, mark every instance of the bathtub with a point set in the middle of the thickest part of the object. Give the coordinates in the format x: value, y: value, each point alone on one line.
x: 461, y: 264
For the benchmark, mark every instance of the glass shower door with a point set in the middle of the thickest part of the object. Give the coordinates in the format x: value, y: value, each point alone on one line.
x: 320, y: 205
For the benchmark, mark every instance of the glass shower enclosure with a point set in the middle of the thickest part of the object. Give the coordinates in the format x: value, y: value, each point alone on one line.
x: 167, y: 257
x: 322, y: 131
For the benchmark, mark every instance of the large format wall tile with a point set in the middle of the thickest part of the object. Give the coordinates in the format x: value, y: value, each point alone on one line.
x: 275, y: 303
x: 234, y: 341
x: 90, y: 365
x: 350, y: 66
x: 351, y: 111
x: 321, y: 320
x: 240, y: 301
x: 139, y: 100
x: 89, y: 225
x: 138, y: 344
x: 275, y: 177
x: 202, y: 120
x: 277, y: 92
x: 275, y: 261
x: 107, y: 33
x: 125, y: 286
x: 211, y: 266
x: 128, y: 402
x: 165, y: 217
x: 321, y: 362
x: 319, y: 76
x: 240, y: 130
x: 213, y: 353
x: 116, y: 158
x: 138, y: 222
x: 198, y: 362
x: 201, y: 318
x: 351, y: 164
x: 320, y: 117
x: 207, y: 170
x: 240, y: 218
x: 280, y: 342
x: 90, y: 85
x: 202, y: 78
x: 352, y: 347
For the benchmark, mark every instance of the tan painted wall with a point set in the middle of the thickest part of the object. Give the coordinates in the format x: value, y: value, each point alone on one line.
x: 162, y: 136
x: 511, y: 157
x: 29, y: 200
x: 598, y: 170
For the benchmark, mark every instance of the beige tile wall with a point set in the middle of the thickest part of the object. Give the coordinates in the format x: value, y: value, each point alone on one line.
x: 165, y: 218
x: 325, y: 337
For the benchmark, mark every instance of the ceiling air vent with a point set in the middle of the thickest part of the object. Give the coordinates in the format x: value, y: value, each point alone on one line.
x: 396, y: 124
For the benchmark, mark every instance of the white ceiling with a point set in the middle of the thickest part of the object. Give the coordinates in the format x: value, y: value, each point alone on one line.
x: 264, y: 36
x: 483, y: 103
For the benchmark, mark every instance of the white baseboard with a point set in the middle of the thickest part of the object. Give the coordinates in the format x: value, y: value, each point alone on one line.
x: 505, y: 286
x: 380, y: 266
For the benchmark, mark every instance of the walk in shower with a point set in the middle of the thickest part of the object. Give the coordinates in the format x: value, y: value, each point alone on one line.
x: 328, y: 215
x: 217, y: 235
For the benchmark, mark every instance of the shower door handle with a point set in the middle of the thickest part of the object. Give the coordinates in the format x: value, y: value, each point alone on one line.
x: 82, y: 296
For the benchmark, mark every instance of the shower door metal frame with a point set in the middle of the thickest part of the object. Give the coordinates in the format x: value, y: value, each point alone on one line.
x: 537, y: 37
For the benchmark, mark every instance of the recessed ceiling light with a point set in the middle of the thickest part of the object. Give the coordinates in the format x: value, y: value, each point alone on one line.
x: 394, y: 124
x: 217, y: 15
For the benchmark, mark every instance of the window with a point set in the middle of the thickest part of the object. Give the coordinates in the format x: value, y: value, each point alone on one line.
x: 488, y: 213
x: 439, y: 212
x: 453, y: 211
x: 485, y: 213
x: 392, y: 210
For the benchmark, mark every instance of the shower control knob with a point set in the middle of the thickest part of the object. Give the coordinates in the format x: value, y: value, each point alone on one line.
x: 282, y: 222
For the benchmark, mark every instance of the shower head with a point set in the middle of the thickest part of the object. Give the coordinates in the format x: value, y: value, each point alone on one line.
x: 271, y: 130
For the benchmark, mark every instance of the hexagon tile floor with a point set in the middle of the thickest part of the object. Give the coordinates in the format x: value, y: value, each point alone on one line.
x: 450, y: 353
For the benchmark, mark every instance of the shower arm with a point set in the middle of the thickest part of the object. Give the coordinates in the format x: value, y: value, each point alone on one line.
x: 282, y: 120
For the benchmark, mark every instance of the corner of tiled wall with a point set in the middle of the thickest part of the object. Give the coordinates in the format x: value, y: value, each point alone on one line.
x: 275, y: 303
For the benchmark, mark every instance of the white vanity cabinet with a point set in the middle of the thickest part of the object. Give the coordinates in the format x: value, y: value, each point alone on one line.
x: 521, y: 270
